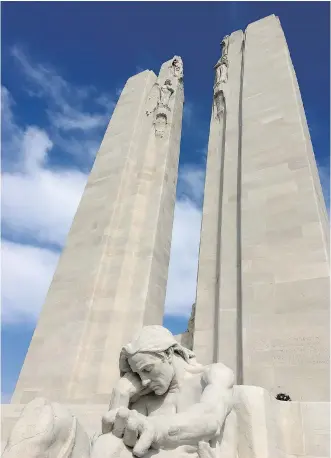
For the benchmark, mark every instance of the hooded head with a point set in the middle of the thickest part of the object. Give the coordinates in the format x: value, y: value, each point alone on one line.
x: 150, y: 355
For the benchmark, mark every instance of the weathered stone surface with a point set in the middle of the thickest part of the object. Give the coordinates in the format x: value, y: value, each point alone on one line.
x: 111, y: 277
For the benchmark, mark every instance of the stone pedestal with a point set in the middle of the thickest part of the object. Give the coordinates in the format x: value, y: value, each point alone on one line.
x: 267, y: 428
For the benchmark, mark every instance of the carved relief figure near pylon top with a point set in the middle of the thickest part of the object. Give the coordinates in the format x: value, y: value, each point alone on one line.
x: 222, y: 65
x: 177, y: 66
x: 225, y: 45
x: 166, y: 91
x: 162, y: 108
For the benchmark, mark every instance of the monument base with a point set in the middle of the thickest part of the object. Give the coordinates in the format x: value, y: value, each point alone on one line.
x: 267, y: 428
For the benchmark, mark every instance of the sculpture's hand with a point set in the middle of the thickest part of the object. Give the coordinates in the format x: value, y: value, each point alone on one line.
x: 108, y: 420
x: 136, y: 430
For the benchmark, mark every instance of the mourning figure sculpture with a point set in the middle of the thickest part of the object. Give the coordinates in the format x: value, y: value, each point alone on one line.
x: 165, y: 404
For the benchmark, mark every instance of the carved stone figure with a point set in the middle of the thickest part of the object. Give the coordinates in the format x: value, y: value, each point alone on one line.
x: 221, y: 71
x: 165, y: 405
x: 221, y: 67
x: 219, y: 102
x: 160, y: 122
x: 225, y: 45
x: 162, y: 108
x: 177, y: 65
x: 168, y: 405
x: 166, y: 92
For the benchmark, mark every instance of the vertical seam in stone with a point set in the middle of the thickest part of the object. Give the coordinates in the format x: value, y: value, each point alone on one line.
x: 221, y: 131
x: 239, y: 228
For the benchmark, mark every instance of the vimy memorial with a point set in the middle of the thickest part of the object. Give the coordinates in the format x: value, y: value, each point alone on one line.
x: 251, y: 377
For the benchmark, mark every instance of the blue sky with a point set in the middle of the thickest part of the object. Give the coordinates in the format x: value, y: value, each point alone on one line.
x: 63, y: 67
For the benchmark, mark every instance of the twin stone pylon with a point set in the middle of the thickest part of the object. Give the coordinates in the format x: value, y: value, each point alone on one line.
x: 263, y: 289
x: 111, y: 277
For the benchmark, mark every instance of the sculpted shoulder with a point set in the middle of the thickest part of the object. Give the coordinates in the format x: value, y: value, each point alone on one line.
x: 219, y: 374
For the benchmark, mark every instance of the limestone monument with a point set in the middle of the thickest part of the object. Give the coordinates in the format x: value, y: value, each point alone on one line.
x: 250, y: 377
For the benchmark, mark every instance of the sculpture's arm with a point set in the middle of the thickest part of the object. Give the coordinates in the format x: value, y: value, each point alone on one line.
x: 128, y: 390
x: 123, y: 391
x: 205, y: 419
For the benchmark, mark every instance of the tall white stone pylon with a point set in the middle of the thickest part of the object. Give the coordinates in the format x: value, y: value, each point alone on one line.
x: 217, y: 302
x: 111, y: 277
x: 263, y: 294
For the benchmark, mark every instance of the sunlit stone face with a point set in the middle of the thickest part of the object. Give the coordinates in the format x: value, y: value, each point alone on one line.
x: 154, y: 371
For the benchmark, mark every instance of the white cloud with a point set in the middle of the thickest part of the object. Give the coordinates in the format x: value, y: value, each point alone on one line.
x: 77, y: 115
x: 67, y: 99
x: 181, y: 287
x: 188, y: 113
x: 76, y: 121
x: 35, y: 146
x: 36, y: 201
x: 41, y: 205
x: 183, y: 266
x: 11, y: 134
x: 191, y: 182
x: 25, y: 275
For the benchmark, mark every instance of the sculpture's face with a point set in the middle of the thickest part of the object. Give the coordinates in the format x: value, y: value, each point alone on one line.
x: 155, y: 371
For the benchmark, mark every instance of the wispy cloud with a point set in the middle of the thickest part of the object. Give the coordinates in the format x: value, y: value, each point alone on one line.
x: 181, y: 287
x: 183, y: 266
x: 26, y: 274
x: 188, y: 113
x: 37, y: 202
x: 69, y: 100
x: 191, y: 181
x: 81, y: 112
